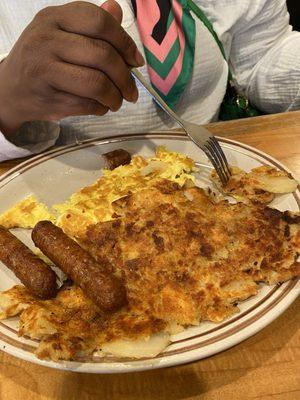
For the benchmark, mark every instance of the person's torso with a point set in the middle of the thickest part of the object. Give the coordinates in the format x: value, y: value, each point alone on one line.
x: 202, y: 97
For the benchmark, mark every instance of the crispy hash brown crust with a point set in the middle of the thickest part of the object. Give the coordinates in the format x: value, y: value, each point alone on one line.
x: 15, y: 300
x: 260, y: 185
x: 71, y: 325
x: 183, y: 257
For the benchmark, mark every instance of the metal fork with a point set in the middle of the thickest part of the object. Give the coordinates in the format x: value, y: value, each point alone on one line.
x: 198, y: 134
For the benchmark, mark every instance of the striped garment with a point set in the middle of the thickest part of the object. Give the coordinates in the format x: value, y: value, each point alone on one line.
x: 167, y: 31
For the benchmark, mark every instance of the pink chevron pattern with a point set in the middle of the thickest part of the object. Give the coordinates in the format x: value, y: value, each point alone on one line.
x: 148, y: 15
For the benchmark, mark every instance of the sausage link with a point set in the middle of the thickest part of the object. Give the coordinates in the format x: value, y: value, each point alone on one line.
x: 116, y: 158
x: 104, y: 289
x: 33, y: 272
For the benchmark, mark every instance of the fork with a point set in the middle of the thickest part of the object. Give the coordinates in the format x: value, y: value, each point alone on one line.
x: 201, y: 136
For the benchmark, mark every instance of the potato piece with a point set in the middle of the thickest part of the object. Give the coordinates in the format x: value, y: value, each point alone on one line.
x: 144, y: 347
x: 258, y: 186
x: 277, y: 184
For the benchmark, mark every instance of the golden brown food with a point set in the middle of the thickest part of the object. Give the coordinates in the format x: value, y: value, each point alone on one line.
x: 71, y: 325
x: 183, y: 255
x: 15, y: 300
x: 185, y: 258
x: 36, y: 275
x: 93, y: 203
x: 102, y: 287
x: 25, y: 214
x: 260, y: 185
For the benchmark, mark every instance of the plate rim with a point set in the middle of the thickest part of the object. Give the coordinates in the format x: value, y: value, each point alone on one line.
x: 168, y: 360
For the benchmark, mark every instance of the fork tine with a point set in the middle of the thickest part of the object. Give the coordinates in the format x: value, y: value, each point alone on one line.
x: 223, y: 158
x: 222, y: 154
x: 200, y: 135
x: 217, y: 158
x: 211, y: 155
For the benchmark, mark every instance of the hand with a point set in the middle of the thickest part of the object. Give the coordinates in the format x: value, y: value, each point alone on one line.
x: 71, y: 60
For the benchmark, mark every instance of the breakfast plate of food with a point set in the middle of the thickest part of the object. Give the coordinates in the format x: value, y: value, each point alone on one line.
x: 126, y: 253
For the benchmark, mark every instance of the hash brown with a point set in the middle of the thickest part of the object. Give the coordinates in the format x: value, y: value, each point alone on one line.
x: 184, y: 257
x: 260, y: 185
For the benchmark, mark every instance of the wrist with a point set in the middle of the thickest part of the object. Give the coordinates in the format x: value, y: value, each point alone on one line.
x: 9, y: 124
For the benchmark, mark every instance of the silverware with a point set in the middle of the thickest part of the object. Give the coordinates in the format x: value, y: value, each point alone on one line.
x: 198, y: 134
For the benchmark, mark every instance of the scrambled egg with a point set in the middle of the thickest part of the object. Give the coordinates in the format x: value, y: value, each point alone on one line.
x: 93, y: 203
x: 26, y: 214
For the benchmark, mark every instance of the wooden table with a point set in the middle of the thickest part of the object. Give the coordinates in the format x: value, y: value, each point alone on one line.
x: 266, y: 366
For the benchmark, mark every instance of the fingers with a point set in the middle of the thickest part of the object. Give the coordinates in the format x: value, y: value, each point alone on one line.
x: 85, y: 82
x: 100, y: 55
x: 113, y: 8
x: 67, y: 105
x: 90, y: 20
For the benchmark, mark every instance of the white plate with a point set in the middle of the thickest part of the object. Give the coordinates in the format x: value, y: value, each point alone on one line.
x: 55, y: 175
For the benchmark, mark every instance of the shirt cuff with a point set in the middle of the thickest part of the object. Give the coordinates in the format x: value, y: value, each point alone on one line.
x: 32, y: 138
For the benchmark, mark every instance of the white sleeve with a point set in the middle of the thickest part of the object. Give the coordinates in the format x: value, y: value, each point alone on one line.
x: 265, y: 57
x: 32, y: 138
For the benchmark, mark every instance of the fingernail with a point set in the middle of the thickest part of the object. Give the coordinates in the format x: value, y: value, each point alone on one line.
x: 139, y: 58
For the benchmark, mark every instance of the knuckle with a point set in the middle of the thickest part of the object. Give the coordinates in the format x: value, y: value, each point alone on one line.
x: 46, y: 13
x: 40, y: 40
x: 79, y: 5
x: 37, y: 40
x: 98, y: 82
x: 105, y: 53
x: 39, y: 68
x: 78, y: 76
x: 98, y: 17
x: 34, y: 69
x: 102, y: 21
x: 128, y: 43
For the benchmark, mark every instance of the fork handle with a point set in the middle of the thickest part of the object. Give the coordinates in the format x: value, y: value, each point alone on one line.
x: 156, y: 97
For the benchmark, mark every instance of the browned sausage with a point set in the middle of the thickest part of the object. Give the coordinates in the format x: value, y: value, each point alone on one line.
x: 116, y: 158
x: 36, y: 275
x: 104, y: 289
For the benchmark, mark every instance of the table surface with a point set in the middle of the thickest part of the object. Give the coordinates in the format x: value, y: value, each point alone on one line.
x: 266, y: 366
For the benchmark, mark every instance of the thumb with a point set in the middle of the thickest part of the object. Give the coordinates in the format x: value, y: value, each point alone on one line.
x: 113, y: 8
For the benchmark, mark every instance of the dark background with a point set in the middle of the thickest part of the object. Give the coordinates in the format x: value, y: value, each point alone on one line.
x: 294, y: 10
